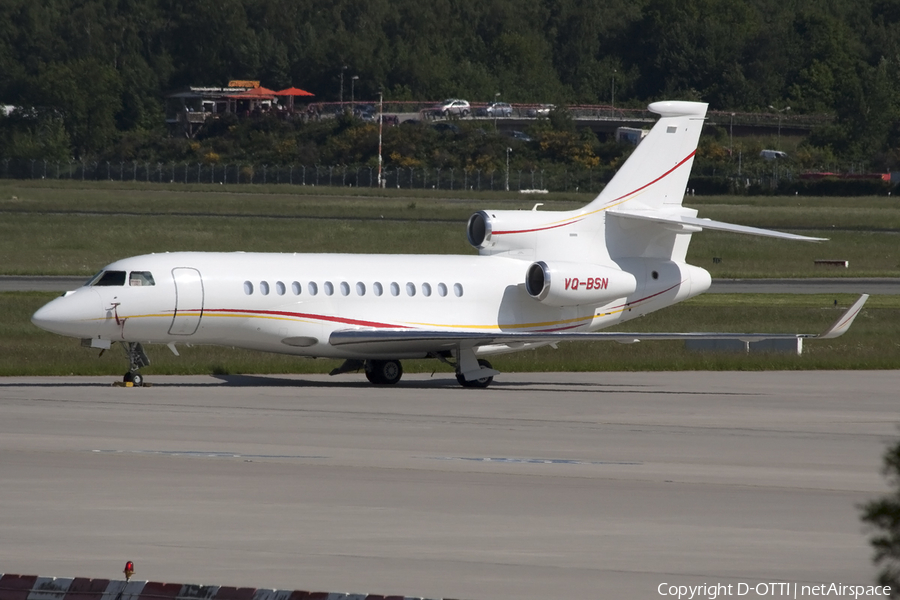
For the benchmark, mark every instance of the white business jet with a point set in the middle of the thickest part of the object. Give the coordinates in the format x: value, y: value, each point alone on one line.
x: 540, y: 277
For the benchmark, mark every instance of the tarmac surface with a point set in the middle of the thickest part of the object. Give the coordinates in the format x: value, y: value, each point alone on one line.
x: 546, y: 485
x: 817, y: 285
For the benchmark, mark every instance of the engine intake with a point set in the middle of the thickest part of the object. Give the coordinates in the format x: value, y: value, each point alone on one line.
x: 573, y: 284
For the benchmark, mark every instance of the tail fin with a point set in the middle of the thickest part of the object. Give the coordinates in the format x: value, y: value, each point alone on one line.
x: 656, y: 173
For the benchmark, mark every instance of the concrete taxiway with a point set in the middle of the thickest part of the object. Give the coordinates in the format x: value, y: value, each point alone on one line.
x: 547, y: 485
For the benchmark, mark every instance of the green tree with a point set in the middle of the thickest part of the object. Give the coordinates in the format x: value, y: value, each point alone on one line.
x: 883, y: 517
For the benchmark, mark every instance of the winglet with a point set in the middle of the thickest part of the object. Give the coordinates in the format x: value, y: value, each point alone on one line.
x: 843, y: 323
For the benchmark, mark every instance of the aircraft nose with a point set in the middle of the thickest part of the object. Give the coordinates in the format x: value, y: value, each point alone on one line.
x: 75, y: 314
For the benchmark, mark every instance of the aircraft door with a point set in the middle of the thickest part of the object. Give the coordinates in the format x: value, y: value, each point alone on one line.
x: 188, y: 301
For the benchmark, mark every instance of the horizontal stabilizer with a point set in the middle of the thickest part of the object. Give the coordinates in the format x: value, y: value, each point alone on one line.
x: 694, y: 224
x: 383, y: 340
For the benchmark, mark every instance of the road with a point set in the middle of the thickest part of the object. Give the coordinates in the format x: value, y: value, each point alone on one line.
x: 546, y: 485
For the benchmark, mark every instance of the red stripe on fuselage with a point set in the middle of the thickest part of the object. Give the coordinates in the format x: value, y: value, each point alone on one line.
x: 280, y: 313
x: 537, y: 229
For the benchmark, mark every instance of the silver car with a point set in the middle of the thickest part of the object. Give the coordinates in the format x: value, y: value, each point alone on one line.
x: 541, y: 110
x: 498, y: 109
x: 453, y: 106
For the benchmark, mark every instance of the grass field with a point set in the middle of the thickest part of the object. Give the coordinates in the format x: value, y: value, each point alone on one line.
x: 70, y: 228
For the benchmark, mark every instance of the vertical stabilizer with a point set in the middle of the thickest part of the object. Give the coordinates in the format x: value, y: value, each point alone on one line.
x: 656, y: 173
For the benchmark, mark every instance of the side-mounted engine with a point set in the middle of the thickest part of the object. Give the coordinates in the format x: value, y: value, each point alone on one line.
x: 572, y: 284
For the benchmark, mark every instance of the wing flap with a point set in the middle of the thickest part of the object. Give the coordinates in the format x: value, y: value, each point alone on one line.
x: 436, y: 340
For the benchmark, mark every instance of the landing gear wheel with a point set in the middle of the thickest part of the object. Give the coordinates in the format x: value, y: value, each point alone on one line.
x: 384, y: 372
x: 135, y: 379
x: 476, y: 383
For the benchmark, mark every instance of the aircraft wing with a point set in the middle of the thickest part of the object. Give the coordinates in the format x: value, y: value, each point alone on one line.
x: 384, y: 340
x: 694, y: 224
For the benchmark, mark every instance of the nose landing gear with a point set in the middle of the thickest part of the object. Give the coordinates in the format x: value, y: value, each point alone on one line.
x: 137, y: 358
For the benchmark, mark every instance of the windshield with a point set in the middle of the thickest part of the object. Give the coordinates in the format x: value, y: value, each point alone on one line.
x: 108, y: 278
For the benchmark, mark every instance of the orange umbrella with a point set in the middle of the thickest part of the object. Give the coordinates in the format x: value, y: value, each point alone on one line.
x: 290, y: 93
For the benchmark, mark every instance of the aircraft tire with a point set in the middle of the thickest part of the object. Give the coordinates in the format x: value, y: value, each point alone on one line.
x: 477, y: 383
x: 135, y: 379
x: 384, y: 372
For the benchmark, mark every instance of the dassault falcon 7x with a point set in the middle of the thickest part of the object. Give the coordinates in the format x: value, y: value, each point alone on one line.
x: 540, y: 277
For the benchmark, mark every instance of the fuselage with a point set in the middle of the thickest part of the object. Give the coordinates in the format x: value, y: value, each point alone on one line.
x: 291, y: 303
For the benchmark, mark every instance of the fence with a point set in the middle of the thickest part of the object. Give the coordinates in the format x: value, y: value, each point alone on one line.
x: 763, y: 178
x: 307, y: 175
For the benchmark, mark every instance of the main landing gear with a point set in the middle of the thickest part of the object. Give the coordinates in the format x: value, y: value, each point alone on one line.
x: 483, y: 382
x: 384, y: 372
x: 389, y: 372
x: 137, y: 358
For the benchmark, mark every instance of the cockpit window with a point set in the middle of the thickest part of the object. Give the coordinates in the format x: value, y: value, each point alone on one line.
x: 93, y: 279
x: 141, y: 278
x: 110, y: 278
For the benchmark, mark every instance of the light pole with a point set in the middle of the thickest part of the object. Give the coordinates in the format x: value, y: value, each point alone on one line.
x: 731, y: 134
x: 380, y: 125
x: 341, y: 96
x: 496, y: 99
x: 780, y: 113
x: 508, y: 150
x: 352, y: 82
x: 613, y: 95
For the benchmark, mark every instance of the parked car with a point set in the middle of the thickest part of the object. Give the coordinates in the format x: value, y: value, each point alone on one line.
x: 453, y: 106
x: 366, y: 112
x: 519, y: 135
x: 541, y: 110
x: 496, y: 109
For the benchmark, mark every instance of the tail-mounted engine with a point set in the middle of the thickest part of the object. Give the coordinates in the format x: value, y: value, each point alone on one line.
x: 571, y: 284
x: 499, y: 231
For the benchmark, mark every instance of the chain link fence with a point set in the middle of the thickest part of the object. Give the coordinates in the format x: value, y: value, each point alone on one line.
x: 764, y: 178
x: 557, y: 180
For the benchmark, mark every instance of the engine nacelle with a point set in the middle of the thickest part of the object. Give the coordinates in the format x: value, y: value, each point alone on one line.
x: 499, y: 231
x: 572, y: 284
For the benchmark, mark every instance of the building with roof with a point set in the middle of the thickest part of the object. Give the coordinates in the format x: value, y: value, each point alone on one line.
x: 188, y: 109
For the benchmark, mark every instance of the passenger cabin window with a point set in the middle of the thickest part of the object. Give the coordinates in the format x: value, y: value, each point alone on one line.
x: 140, y: 278
x: 110, y: 278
